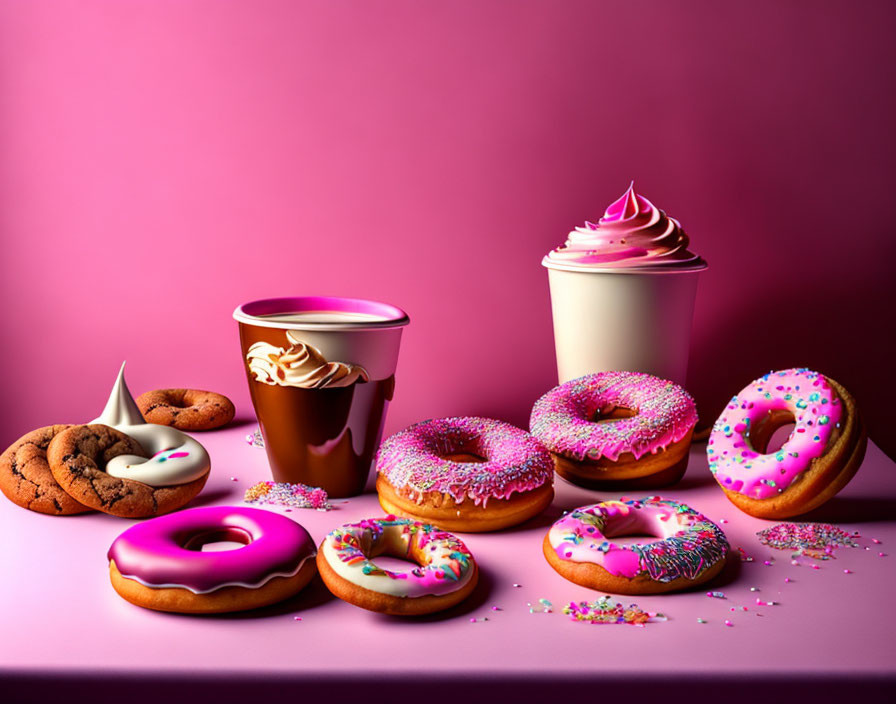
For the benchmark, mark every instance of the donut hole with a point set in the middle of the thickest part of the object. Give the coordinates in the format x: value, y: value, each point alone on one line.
x: 468, y: 457
x: 639, y: 527
x: 218, y: 540
x: 177, y: 402
x: 779, y: 437
x: 395, y: 564
x: 392, y: 553
x: 605, y: 415
x: 772, y: 431
x: 634, y: 538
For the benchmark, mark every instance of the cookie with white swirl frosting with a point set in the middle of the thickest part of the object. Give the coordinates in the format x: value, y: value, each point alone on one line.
x: 78, y: 458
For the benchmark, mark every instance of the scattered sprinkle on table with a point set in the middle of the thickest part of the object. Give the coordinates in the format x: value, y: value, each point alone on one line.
x: 607, y: 610
x: 255, y: 438
x: 285, y: 494
x: 815, y: 540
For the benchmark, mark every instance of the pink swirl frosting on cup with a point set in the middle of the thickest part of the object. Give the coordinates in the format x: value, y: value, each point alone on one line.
x: 632, y: 234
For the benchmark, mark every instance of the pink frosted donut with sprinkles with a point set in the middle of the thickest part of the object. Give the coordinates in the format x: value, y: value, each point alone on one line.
x: 465, y: 474
x: 690, y: 548
x: 616, y: 430
x: 822, y: 453
x: 445, y: 575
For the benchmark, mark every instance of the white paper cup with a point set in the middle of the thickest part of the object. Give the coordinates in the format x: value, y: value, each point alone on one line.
x: 622, y: 321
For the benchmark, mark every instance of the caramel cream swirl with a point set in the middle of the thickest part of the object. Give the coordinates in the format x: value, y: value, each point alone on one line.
x: 301, y: 365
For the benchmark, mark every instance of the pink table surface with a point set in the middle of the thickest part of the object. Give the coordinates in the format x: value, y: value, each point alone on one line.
x: 60, y: 615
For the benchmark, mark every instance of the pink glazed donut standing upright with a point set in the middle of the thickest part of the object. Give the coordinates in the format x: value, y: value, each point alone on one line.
x: 822, y: 453
x: 159, y: 564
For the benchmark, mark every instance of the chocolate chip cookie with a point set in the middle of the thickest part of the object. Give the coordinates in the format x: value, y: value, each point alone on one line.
x: 186, y: 409
x: 78, y: 457
x: 26, y: 479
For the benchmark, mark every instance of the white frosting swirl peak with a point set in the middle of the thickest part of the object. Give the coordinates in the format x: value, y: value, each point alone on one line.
x: 176, y: 458
x: 301, y: 365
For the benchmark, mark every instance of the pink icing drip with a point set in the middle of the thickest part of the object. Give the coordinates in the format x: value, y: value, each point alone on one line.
x: 666, y: 413
x: 817, y: 411
x: 413, y: 459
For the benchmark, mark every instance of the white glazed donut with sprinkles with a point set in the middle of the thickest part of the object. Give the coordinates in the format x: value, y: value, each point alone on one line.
x: 445, y: 574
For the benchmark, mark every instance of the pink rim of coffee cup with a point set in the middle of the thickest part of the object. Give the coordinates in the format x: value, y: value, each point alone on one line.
x: 381, y: 315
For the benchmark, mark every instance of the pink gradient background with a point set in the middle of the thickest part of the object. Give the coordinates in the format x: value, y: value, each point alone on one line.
x: 162, y: 161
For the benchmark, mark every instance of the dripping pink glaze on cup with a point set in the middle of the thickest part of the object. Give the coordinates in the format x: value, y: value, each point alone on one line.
x: 632, y: 234
x: 166, y: 551
x: 817, y: 411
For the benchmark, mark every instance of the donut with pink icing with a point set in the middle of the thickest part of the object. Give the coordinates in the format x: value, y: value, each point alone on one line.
x: 690, y: 548
x: 616, y: 429
x: 822, y: 453
x: 159, y: 564
x: 464, y: 474
x: 445, y: 574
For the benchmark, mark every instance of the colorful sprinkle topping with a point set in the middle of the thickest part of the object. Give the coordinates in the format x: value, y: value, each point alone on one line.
x: 690, y: 543
x: 416, y: 460
x: 564, y: 418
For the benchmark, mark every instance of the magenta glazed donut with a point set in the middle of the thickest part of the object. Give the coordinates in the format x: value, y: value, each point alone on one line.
x: 159, y: 564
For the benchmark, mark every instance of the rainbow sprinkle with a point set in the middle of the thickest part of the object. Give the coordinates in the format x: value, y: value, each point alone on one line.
x: 285, y: 494
x: 815, y: 540
x: 255, y: 438
x: 606, y: 610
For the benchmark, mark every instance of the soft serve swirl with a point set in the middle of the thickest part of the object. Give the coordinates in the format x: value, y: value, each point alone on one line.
x: 175, y: 459
x: 632, y: 234
x: 300, y: 365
